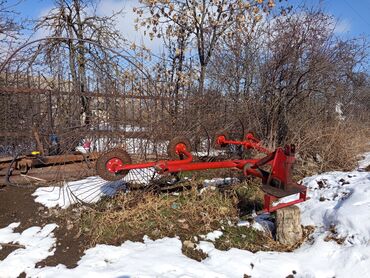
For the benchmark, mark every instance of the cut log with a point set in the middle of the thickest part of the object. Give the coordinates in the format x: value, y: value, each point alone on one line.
x: 288, y: 226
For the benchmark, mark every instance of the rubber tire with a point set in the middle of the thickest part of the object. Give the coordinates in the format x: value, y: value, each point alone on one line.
x: 171, y: 148
x: 101, y: 162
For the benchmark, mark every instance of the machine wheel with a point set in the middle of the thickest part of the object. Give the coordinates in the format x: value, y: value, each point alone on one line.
x: 246, y: 153
x: 108, y: 161
x: 246, y: 133
x: 216, y: 145
x: 171, y: 148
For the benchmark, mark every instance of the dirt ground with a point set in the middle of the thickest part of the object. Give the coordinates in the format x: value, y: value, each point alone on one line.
x: 18, y: 205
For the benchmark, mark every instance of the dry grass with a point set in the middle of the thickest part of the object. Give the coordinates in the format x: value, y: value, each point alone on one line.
x: 246, y: 238
x: 133, y: 215
x: 187, y: 214
x: 333, y: 236
x: 250, y: 196
x: 324, y: 147
x: 250, y: 239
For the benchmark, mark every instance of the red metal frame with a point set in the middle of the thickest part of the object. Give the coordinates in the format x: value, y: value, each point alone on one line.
x: 113, y: 165
x: 250, y: 142
x: 187, y: 164
x: 276, y: 183
x: 269, y: 199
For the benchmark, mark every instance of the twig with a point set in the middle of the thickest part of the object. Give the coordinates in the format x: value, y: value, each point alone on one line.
x: 12, y: 245
x: 31, y: 177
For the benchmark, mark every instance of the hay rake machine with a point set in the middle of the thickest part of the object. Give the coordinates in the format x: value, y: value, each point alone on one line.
x: 117, y: 164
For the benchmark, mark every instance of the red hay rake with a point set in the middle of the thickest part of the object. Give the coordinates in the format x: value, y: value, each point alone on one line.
x: 276, y: 183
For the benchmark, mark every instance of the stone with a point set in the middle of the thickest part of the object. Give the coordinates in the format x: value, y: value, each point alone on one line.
x: 288, y: 226
x: 69, y: 225
x: 189, y: 244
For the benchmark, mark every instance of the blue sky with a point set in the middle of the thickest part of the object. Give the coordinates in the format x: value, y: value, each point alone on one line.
x: 353, y: 15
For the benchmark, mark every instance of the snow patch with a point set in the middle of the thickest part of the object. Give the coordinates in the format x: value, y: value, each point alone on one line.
x: 340, y: 200
x: 89, y: 190
x: 212, y: 236
x: 244, y: 224
x: 321, y: 259
x: 159, y: 258
x: 163, y: 258
x: 220, y: 181
x: 365, y: 162
x: 35, y: 243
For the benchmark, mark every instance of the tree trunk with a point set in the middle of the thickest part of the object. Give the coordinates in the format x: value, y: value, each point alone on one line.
x: 85, y: 101
x: 202, y: 79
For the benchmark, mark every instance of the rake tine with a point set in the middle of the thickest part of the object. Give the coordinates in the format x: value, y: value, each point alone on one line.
x: 69, y: 194
x: 63, y: 193
x: 49, y: 191
x: 93, y: 187
x: 59, y: 193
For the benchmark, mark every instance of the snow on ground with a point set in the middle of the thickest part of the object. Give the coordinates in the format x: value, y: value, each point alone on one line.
x: 92, y: 189
x: 364, y: 162
x: 89, y: 190
x: 132, y: 145
x: 220, y: 181
x: 212, y: 236
x: 340, y: 202
x: 163, y: 258
x: 321, y: 259
x: 35, y: 244
x: 160, y: 258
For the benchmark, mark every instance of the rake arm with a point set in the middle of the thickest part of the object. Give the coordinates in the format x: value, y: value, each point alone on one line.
x: 276, y: 183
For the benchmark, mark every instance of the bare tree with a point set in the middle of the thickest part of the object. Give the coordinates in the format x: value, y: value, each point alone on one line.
x: 304, y: 60
x: 9, y: 27
x: 78, y: 21
x: 290, y: 70
x: 203, y: 21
